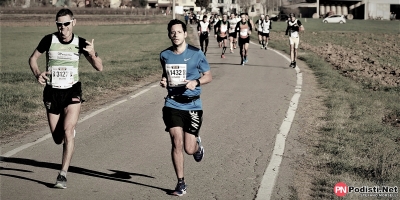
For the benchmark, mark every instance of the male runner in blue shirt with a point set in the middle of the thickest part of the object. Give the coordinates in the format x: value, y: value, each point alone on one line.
x: 185, y: 68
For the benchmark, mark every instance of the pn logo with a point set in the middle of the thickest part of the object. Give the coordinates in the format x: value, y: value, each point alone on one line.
x: 340, y: 189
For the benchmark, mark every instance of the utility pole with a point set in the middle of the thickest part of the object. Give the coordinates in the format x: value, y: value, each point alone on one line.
x: 173, y: 9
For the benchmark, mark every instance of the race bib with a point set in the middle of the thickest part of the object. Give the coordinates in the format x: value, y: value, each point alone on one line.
x: 224, y: 28
x: 62, y: 76
x: 243, y: 32
x: 176, y: 74
x: 232, y: 28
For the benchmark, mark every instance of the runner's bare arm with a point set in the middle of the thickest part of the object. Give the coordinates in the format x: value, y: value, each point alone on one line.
x: 93, y: 58
x: 40, y: 76
x: 163, y: 81
x: 206, y: 78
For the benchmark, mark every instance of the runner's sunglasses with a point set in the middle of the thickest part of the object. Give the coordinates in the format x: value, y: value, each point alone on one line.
x: 64, y: 23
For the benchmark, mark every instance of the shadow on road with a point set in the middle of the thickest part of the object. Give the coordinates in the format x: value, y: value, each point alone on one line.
x: 117, y: 175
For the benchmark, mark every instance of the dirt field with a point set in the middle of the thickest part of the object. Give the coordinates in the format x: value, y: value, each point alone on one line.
x: 371, y: 62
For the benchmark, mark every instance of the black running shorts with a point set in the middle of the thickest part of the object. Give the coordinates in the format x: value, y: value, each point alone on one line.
x: 243, y: 41
x: 265, y: 34
x: 55, y: 100
x: 189, y: 120
x: 220, y: 39
x: 234, y: 35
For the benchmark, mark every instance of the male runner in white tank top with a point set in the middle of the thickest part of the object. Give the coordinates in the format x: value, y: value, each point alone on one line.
x: 62, y: 94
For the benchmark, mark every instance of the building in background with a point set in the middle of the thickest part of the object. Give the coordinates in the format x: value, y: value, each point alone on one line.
x: 252, y: 7
x: 365, y: 9
x: 361, y: 9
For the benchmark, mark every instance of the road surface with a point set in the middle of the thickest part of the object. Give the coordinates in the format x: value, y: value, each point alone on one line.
x: 122, y: 151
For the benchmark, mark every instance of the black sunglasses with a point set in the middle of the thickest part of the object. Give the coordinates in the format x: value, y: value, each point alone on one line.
x: 64, y: 23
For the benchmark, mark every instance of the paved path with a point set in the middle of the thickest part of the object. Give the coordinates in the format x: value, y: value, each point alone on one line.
x: 122, y: 151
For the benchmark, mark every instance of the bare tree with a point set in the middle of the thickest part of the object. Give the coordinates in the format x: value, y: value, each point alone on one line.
x: 244, y: 5
x: 269, y: 5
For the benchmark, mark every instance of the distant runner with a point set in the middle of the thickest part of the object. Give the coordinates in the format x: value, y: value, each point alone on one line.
x: 185, y: 69
x: 62, y: 95
x: 232, y: 32
x: 294, y: 26
x: 214, y: 24
x: 266, y: 27
x: 243, y: 28
x: 222, y: 33
x: 260, y: 27
x: 203, y: 30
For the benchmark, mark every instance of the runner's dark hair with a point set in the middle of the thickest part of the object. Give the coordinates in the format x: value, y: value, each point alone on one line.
x: 175, y: 22
x: 64, y: 12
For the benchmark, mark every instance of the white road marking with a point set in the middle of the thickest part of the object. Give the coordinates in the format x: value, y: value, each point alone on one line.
x: 25, y: 146
x: 271, y: 173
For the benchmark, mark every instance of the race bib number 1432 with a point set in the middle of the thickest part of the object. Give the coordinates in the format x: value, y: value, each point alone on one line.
x: 176, y: 74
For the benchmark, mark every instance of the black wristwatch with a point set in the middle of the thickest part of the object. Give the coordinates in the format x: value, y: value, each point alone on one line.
x: 198, y: 82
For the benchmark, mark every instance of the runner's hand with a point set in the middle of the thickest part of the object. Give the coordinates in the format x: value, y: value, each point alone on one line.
x: 163, y: 82
x: 191, y: 84
x: 42, y: 78
x: 90, y: 48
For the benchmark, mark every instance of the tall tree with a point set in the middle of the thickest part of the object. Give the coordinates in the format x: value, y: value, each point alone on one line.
x: 244, y: 5
x: 202, y: 3
x: 139, y: 3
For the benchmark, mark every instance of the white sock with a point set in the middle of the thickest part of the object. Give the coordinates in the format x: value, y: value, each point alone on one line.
x: 63, y: 173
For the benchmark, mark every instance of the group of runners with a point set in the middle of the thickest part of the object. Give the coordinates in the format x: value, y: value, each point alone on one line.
x: 238, y: 31
x: 185, y: 69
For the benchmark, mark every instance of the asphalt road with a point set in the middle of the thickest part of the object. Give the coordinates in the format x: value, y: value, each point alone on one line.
x: 123, y: 152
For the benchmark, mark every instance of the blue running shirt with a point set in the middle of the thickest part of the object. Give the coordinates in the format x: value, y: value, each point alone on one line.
x: 189, y: 65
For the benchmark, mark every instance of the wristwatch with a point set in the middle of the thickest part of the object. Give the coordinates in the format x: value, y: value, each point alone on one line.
x: 198, y: 82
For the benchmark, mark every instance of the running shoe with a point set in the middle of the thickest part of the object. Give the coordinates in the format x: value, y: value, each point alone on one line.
x: 180, y: 189
x: 261, y: 47
x: 198, y: 156
x: 294, y: 64
x: 61, y: 182
x: 265, y: 48
x: 246, y: 61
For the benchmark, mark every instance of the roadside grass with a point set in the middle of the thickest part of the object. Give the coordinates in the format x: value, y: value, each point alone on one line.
x: 355, y: 146
x: 130, y: 53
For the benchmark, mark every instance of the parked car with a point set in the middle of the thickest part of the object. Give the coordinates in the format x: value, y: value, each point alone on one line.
x: 335, y: 19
